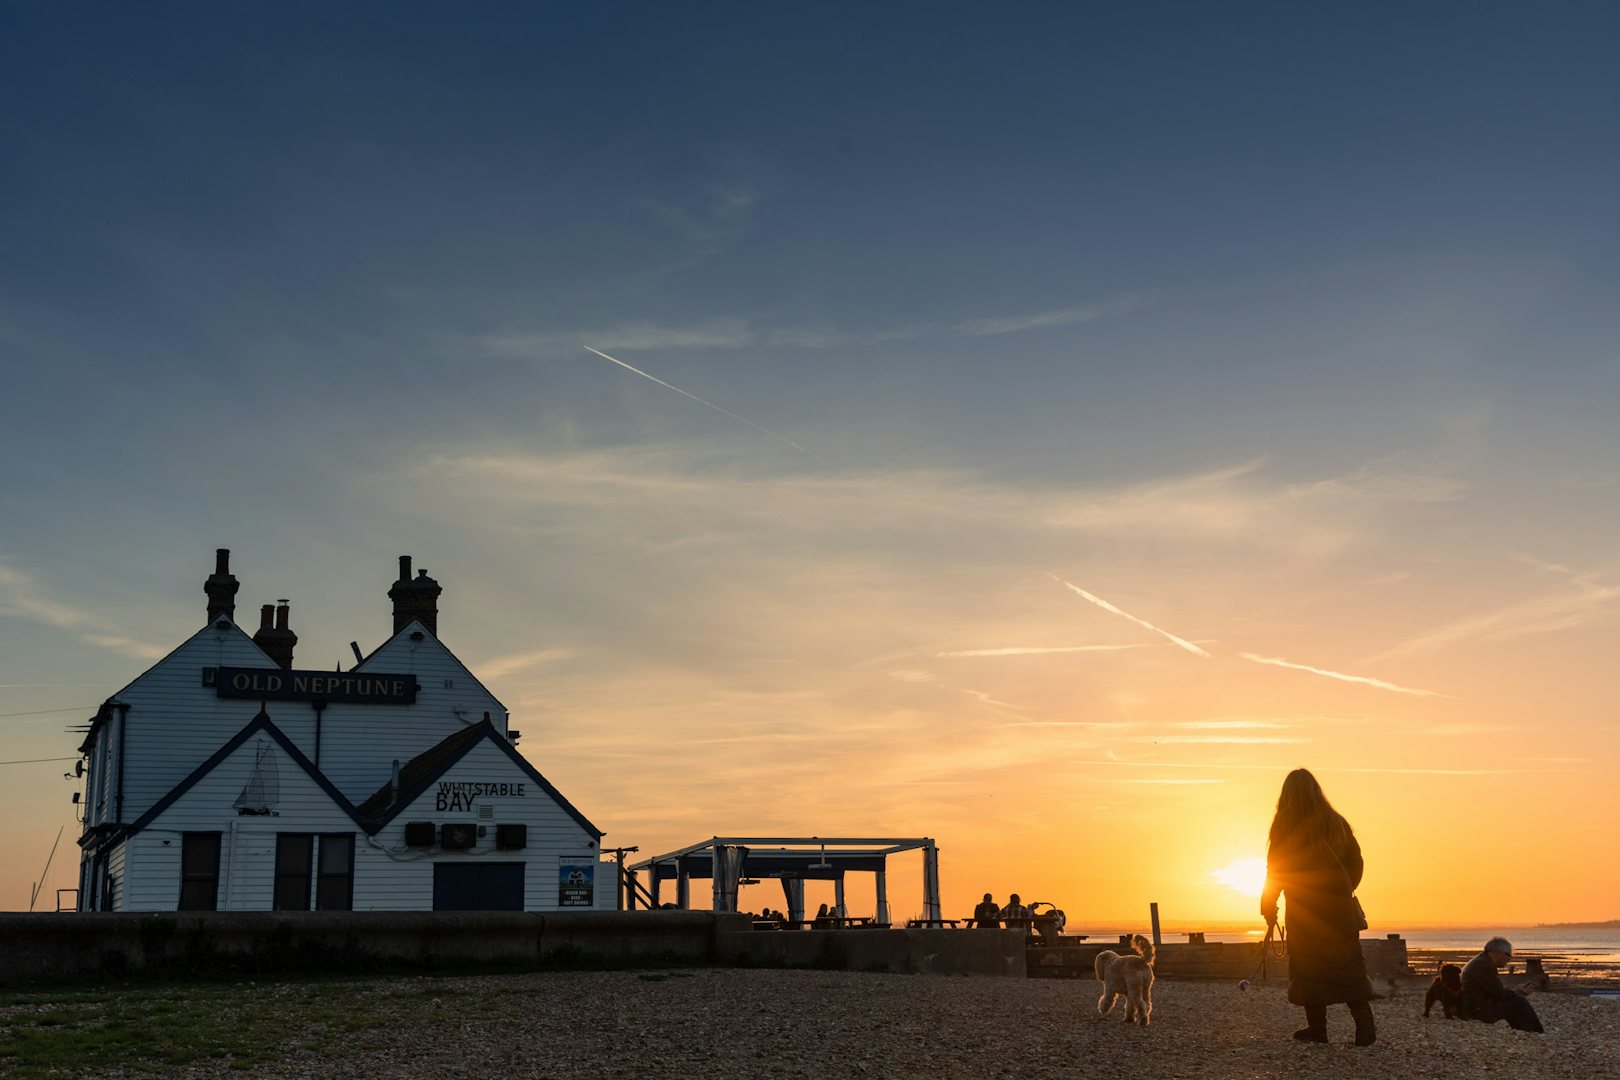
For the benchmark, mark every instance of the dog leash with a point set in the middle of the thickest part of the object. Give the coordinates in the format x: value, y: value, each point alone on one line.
x: 1279, y: 950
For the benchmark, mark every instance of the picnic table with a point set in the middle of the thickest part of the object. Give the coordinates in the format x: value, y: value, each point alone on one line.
x: 915, y: 924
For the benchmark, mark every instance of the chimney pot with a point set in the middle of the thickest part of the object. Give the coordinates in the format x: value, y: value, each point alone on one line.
x: 274, y: 637
x: 221, y: 587
x: 415, y: 599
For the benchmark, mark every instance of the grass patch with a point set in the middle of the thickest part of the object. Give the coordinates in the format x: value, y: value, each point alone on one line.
x: 145, y: 1026
x: 150, y: 1030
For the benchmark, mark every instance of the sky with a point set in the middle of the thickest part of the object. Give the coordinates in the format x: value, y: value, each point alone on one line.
x: 1036, y: 427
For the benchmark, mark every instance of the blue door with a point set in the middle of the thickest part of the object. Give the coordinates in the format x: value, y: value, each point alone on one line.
x: 472, y: 886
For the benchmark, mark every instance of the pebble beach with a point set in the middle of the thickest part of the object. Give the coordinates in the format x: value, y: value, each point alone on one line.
x: 774, y: 1023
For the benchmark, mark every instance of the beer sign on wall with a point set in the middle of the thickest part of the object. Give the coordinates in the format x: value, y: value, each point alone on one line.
x: 576, y: 884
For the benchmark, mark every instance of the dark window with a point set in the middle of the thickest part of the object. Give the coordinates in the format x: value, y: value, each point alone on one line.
x: 199, y: 871
x: 293, y: 854
x: 470, y: 886
x: 334, y: 887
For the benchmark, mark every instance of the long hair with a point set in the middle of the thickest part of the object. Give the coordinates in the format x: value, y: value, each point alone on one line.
x: 1304, y: 815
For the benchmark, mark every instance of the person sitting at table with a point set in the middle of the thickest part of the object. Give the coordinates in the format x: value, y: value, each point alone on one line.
x: 823, y: 918
x: 1015, y: 914
x: 987, y: 916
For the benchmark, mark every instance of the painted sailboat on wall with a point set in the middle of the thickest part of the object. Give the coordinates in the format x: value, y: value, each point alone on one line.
x: 263, y: 790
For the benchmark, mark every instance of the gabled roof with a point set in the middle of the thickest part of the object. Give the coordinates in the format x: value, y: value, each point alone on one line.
x: 415, y: 625
x: 100, y: 719
x: 425, y: 769
x: 260, y: 724
x: 418, y: 774
x: 209, y: 625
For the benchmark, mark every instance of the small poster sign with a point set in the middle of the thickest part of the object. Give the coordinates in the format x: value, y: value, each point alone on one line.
x: 576, y: 885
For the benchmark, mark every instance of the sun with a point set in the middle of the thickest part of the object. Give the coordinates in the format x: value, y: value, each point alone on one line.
x: 1246, y: 876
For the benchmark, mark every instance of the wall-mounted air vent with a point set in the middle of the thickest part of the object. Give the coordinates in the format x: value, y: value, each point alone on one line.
x: 511, y: 837
x: 419, y: 833
x: 458, y: 837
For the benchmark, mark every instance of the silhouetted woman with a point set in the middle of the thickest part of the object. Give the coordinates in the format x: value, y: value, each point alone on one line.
x: 1315, y: 861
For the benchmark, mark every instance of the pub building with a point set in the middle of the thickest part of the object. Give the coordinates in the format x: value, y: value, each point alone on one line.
x: 224, y: 778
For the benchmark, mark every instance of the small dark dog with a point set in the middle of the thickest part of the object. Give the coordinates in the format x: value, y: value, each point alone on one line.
x: 1446, y: 989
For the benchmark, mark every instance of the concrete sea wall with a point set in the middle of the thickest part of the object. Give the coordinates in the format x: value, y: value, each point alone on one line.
x: 80, y: 947
x: 62, y: 947
x: 1386, y: 958
x: 926, y: 952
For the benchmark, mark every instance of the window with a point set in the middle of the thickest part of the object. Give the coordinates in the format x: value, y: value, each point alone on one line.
x: 334, y: 888
x: 199, y: 871
x: 293, y: 854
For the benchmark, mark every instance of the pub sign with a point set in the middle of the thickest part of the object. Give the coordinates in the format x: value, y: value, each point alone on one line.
x: 332, y: 687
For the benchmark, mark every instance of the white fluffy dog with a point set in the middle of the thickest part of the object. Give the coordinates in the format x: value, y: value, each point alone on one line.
x: 1131, y: 976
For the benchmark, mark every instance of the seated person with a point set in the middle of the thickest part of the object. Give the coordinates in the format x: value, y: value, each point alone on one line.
x: 987, y: 916
x: 1015, y: 914
x: 823, y: 918
x: 1485, y: 998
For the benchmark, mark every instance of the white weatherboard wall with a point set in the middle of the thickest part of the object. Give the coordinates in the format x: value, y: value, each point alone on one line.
x: 247, y: 852
x: 397, y: 878
x: 176, y: 723
x: 359, y: 742
x: 115, y: 870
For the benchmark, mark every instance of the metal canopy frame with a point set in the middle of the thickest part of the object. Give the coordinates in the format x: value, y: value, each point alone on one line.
x: 793, y: 859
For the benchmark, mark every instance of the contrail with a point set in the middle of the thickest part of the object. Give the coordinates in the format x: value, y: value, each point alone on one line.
x: 1363, y: 679
x: 712, y: 405
x: 1106, y: 606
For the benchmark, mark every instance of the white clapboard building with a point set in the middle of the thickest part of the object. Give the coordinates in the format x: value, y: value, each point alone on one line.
x: 224, y: 778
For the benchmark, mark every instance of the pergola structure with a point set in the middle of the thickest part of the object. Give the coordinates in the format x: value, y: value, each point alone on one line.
x: 727, y: 860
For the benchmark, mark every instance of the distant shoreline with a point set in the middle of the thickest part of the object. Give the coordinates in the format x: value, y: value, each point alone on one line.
x: 1609, y: 924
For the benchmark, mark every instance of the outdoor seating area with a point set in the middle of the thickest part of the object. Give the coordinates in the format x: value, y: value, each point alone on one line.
x: 729, y: 862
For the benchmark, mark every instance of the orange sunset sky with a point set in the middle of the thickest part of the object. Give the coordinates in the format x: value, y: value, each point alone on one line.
x: 1035, y: 433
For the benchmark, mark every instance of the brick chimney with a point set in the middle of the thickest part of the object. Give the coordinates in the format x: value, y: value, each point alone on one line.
x: 221, y: 587
x: 415, y: 598
x: 275, y: 638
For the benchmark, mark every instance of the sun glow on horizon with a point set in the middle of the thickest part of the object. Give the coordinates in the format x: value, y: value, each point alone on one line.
x: 1246, y: 876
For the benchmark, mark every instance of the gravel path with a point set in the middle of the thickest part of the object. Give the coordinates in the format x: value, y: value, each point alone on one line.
x: 745, y: 1023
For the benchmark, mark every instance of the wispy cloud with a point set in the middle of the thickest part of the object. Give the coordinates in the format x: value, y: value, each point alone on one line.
x: 1106, y: 606
x: 1252, y: 767
x: 1160, y: 780
x: 1584, y: 602
x: 1233, y: 725
x: 21, y: 595
x: 1364, y: 680
x: 1224, y: 740
x: 740, y: 332
x: 505, y: 665
x: 1040, y: 650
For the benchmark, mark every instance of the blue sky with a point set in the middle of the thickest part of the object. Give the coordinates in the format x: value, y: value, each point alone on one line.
x: 1223, y: 313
